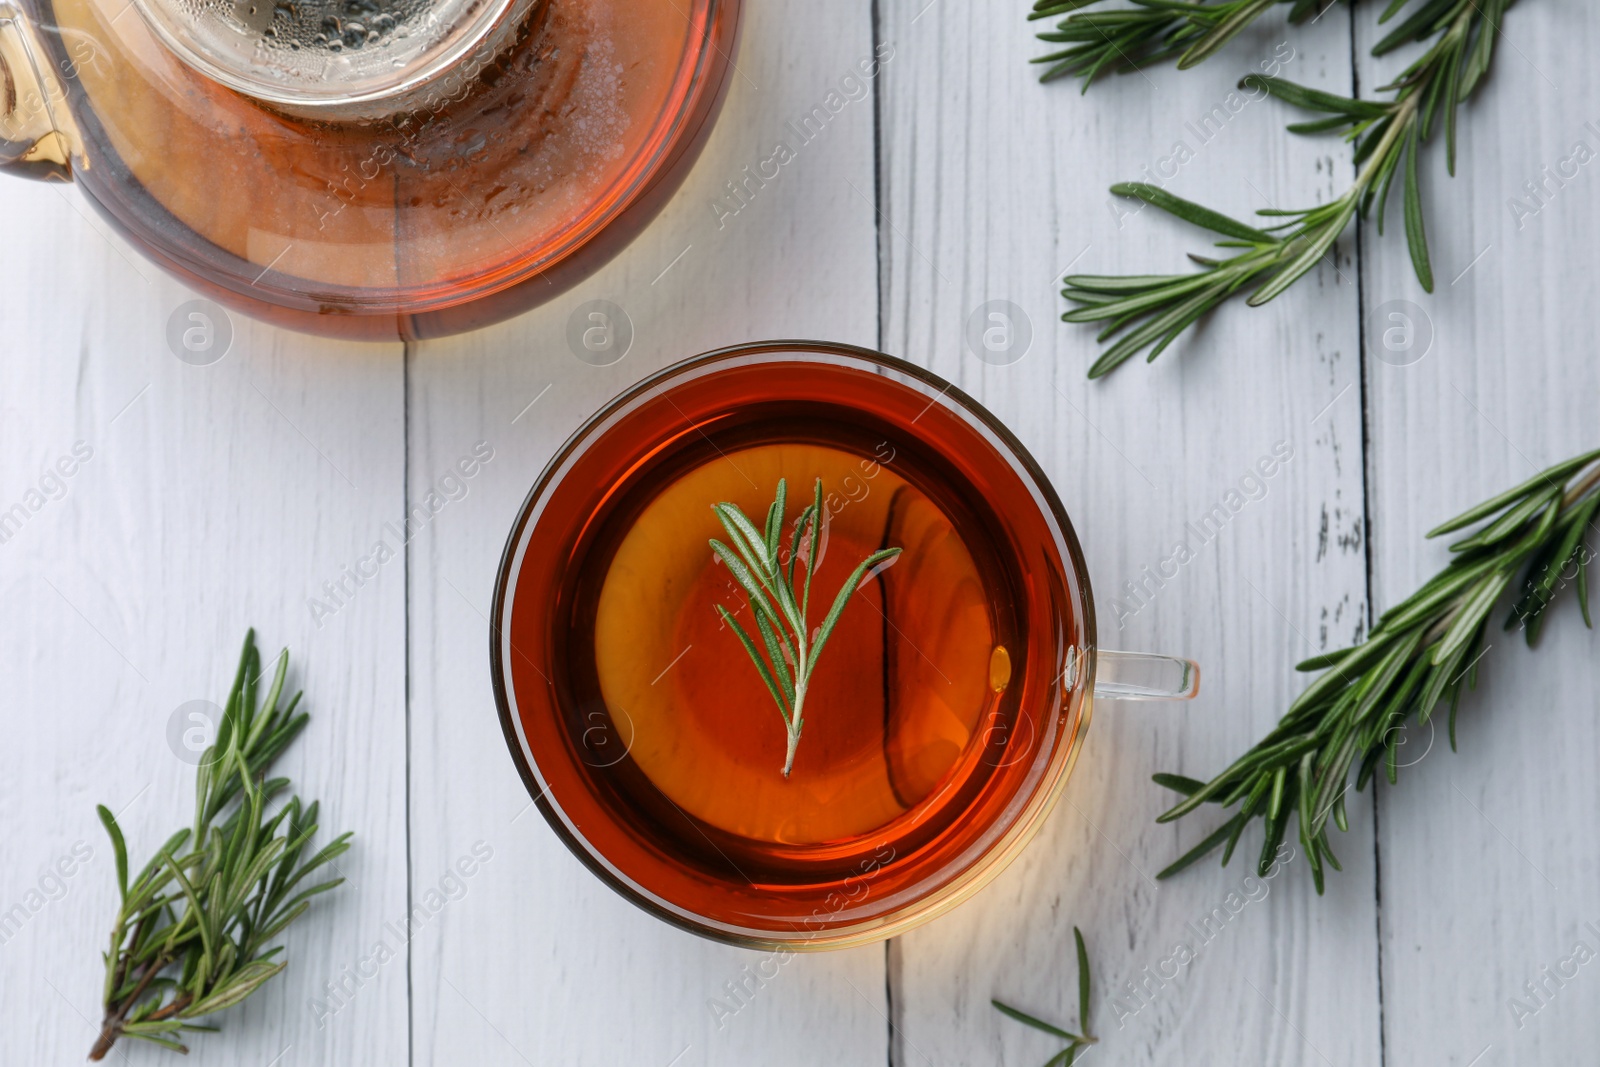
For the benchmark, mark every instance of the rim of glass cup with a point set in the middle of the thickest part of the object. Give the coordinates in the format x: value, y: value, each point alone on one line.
x: 1013, y: 829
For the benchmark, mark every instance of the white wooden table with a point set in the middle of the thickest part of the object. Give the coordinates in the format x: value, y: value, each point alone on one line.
x: 224, y: 496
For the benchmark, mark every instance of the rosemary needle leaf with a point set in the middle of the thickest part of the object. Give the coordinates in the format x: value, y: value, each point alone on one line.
x: 1324, y: 661
x: 139, y: 1032
x: 1083, y: 981
x: 755, y: 561
x: 752, y: 547
x: 1203, y: 849
x: 1310, y: 99
x: 1317, y: 126
x: 1509, y: 523
x: 119, y: 848
x: 1416, y: 232
x: 775, y: 520
x: 1583, y: 587
x: 761, y: 665
x: 1038, y: 1024
x: 1189, y: 211
x: 780, y: 662
x: 1559, y: 473
x: 851, y: 584
x: 1049, y: 8
x: 1421, y: 652
x: 1178, y: 783
x: 1416, y: 28
x: 814, y: 547
x: 1112, y: 284
x: 244, y: 982
x: 742, y: 574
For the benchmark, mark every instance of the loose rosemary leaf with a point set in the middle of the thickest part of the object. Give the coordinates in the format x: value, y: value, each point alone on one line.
x: 1422, y: 652
x: 1150, y: 32
x: 1075, y: 1042
x: 780, y: 607
x: 1150, y: 312
x: 190, y: 937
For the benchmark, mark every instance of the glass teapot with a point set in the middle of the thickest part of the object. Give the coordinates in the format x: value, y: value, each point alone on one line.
x: 369, y: 169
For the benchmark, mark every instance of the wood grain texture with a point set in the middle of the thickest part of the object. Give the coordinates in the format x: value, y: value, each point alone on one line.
x: 539, y: 962
x: 1488, y: 874
x: 993, y: 186
x: 227, y: 495
x: 214, y: 498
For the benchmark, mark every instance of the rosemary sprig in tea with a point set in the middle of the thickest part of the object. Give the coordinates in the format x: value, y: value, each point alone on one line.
x: 191, y: 932
x: 1389, y: 137
x: 1152, y: 31
x: 1066, y: 1056
x: 1422, y: 651
x: 778, y: 605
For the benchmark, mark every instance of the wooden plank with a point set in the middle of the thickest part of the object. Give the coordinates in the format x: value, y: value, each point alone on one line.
x: 539, y: 962
x: 203, y: 499
x: 993, y: 187
x: 1487, y: 876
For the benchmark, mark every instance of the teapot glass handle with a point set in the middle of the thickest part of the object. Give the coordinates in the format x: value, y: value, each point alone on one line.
x: 35, y: 128
x: 1139, y: 676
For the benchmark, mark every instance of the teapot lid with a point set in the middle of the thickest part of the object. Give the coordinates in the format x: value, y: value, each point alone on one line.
x: 338, y: 59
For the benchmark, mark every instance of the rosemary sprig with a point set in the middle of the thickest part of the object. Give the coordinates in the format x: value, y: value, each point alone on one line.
x: 1389, y: 137
x: 779, y: 606
x: 1066, y: 1056
x: 1152, y: 31
x: 1422, y: 651
x: 191, y: 931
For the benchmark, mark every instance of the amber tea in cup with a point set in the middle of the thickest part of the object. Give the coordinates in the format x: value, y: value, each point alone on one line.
x: 942, y: 715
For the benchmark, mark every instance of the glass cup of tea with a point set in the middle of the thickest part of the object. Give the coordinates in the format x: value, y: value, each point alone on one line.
x: 943, y: 713
x: 374, y: 169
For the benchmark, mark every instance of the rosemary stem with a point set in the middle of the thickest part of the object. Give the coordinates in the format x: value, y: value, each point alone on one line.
x: 172, y: 1008
x: 1403, y: 120
x: 795, y: 723
x: 1581, y: 487
x: 111, y: 1027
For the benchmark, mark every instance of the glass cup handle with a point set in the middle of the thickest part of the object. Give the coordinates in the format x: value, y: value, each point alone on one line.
x: 1140, y: 676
